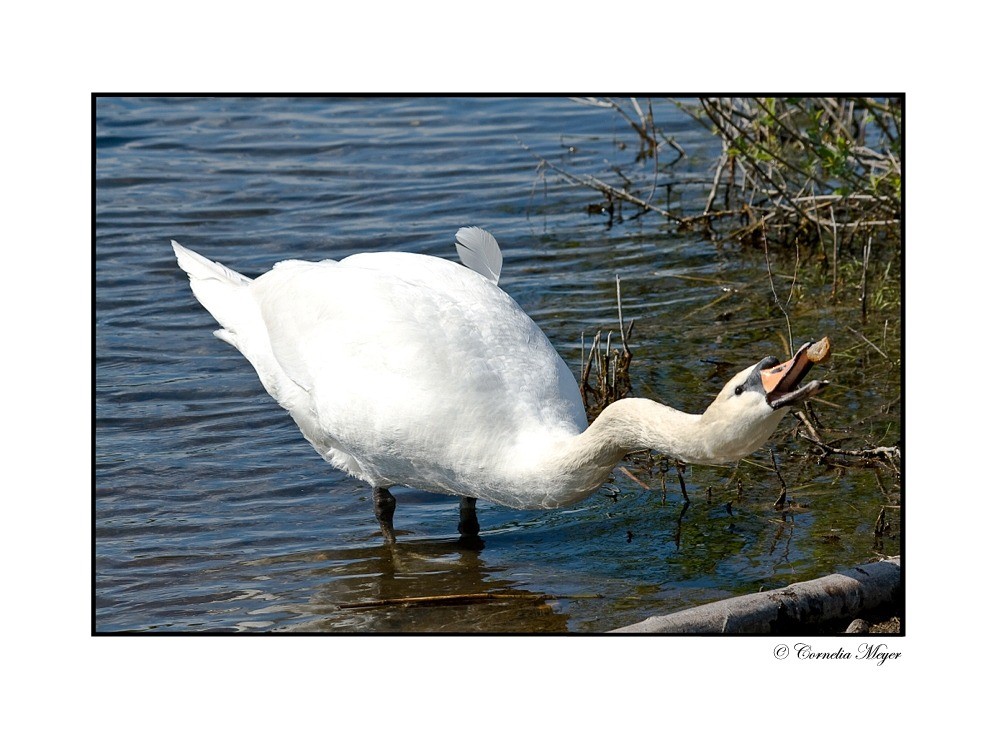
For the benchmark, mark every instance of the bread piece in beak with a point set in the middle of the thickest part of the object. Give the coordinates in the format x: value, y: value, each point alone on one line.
x: 781, y: 383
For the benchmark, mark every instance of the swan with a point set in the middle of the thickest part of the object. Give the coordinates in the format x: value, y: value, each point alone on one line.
x: 408, y: 369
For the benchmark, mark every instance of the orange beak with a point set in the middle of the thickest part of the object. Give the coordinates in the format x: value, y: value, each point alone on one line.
x: 781, y: 383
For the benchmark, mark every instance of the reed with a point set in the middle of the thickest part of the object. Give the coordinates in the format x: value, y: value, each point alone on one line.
x: 609, y: 366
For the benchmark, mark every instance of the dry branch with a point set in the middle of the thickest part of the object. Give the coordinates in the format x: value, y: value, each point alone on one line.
x: 871, y: 588
x: 446, y: 600
x: 609, y: 190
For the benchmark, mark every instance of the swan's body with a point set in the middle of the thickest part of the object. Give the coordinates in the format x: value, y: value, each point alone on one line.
x: 409, y: 369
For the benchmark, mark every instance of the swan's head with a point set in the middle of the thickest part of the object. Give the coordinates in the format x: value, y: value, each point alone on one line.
x: 749, y: 407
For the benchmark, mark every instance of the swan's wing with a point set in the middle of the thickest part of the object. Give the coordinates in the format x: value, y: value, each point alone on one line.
x: 479, y: 251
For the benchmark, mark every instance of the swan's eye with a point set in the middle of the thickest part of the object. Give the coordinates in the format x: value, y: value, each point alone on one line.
x: 739, y: 390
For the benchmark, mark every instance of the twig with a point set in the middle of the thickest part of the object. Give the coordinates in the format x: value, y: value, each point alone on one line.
x: 780, y: 502
x: 878, y: 481
x: 635, y: 479
x: 808, y: 425
x: 585, y: 377
x: 770, y: 278
x: 860, y: 335
x: 864, y: 281
x: 833, y: 223
x: 813, y: 414
x: 889, y: 455
x: 841, y: 197
x: 477, y: 598
x: 681, y: 152
x: 595, y: 184
x: 723, y: 159
x: 653, y: 143
x: 881, y: 524
x: 621, y: 321
x: 869, y: 453
x: 717, y: 300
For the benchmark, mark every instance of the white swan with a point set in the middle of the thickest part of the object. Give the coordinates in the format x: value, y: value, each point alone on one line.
x: 406, y: 369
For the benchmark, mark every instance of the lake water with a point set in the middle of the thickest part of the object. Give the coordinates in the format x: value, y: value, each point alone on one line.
x: 213, y: 513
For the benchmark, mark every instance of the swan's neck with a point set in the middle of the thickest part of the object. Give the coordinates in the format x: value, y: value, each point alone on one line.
x: 635, y: 424
x: 572, y: 469
x: 582, y: 463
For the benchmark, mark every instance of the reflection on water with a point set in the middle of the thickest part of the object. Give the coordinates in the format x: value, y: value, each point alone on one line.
x: 212, y: 512
x: 412, y: 587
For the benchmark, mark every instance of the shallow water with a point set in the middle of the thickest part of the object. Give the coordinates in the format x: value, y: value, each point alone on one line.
x: 213, y: 513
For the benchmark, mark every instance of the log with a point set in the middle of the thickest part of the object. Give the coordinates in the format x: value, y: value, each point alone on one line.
x: 841, y: 596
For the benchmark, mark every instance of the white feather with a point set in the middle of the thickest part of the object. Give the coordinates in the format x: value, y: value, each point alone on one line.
x: 479, y: 251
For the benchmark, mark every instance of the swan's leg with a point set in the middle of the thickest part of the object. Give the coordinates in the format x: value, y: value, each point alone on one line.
x: 385, y: 506
x: 468, y: 525
x: 680, y: 476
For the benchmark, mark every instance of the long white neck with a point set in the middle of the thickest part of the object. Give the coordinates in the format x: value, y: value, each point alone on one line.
x: 580, y: 465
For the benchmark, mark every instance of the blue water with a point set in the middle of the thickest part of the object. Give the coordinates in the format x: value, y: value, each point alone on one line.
x: 213, y: 513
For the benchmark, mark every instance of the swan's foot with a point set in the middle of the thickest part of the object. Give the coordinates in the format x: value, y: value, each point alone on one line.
x: 385, y: 506
x: 468, y: 524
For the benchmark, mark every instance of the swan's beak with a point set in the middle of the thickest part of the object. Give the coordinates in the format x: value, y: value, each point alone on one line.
x: 781, y: 383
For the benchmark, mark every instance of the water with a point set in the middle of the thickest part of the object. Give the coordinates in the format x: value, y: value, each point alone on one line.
x: 213, y: 513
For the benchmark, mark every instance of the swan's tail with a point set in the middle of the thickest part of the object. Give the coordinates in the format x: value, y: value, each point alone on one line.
x: 227, y: 295
x: 221, y: 291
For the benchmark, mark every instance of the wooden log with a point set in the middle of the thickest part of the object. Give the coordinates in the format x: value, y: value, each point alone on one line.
x: 840, y: 596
